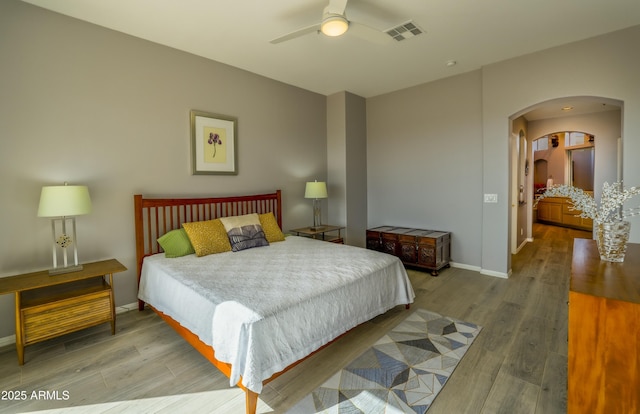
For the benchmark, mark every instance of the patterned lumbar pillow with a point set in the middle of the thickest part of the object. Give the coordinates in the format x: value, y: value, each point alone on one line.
x: 272, y: 231
x: 244, y: 232
x: 207, y: 237
x: 176, y: 243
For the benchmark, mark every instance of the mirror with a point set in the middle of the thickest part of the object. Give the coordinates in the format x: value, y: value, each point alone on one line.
x: 581, y: 168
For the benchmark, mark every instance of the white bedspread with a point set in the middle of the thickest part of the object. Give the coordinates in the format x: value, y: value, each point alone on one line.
x: 264, y: 308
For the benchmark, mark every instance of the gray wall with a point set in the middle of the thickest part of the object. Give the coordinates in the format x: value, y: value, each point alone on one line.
x: 424, y: 164
x: 347, y: 165
x: 356, y: 147
x: 336, y: 212
x: 92, y: 106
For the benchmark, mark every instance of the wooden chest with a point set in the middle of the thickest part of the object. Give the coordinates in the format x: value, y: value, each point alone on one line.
x: 429, y: 249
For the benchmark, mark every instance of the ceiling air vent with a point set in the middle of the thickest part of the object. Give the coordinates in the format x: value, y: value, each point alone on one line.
x: 404, y: 31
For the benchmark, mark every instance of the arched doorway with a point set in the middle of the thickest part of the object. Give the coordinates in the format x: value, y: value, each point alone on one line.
x: 601, y: 117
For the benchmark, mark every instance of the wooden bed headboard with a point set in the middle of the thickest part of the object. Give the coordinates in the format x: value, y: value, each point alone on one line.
x: 157, y: 216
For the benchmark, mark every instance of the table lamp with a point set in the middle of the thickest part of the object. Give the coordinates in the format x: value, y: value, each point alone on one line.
x: 62, y: 203
x: 316, y: 190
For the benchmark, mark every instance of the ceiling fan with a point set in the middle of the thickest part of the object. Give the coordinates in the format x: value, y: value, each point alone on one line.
x: 334, y: 23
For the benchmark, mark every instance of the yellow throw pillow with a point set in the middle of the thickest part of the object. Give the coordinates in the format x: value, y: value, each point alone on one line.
x: 207, y: 237
x: 272, y: 231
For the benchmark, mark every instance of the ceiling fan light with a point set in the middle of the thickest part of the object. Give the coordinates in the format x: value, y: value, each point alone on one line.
x: 334, y: 25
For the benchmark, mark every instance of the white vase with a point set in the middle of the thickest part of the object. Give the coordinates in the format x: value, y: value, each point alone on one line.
x: 612, y: 238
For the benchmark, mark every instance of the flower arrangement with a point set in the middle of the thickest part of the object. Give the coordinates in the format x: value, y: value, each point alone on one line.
x: 611, y: 204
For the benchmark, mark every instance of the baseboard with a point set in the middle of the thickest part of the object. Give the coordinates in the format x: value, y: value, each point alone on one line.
x: 11, y: 339
x: 465, y: 266
x: 495, y: 274
x: 480, y: 270
x: 7, y: 340
x: 126, y: 308
x: 524, y: 243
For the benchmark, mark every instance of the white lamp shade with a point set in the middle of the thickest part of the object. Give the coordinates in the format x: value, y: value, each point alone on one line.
x: 64, y: 200
x: 334, y: 25
x: 315, y: 189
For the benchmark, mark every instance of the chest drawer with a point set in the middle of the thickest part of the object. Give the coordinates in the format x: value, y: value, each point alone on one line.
x: 52, y: 314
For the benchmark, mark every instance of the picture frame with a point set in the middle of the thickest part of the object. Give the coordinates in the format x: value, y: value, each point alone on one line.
x: 214, y: 139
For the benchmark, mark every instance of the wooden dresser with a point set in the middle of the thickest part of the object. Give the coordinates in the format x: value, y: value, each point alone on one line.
x: 604, y: 332
x: 428, y: 249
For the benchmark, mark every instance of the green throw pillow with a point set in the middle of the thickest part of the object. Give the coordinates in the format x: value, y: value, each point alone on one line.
x: 176, y: 243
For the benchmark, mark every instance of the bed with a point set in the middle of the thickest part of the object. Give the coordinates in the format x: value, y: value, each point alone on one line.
x: 231, y: 305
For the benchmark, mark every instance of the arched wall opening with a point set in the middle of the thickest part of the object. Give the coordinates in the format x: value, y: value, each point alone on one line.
x: 598, y: 116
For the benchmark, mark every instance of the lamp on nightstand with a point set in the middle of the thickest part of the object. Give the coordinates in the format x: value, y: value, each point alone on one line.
x: 316, y: 190
x: 62, y: 203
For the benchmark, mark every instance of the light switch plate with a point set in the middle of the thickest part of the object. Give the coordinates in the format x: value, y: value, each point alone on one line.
x: 491, y: 198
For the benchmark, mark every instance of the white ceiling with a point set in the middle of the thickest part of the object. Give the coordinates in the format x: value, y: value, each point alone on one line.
x: 473, y: 33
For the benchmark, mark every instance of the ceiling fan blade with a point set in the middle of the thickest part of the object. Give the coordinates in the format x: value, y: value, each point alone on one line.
x: 368, y: 33
x: 336, y: 7
x: 297, y: 33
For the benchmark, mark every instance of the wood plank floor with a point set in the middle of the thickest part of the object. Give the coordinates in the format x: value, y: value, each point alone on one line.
x: 517, y: 364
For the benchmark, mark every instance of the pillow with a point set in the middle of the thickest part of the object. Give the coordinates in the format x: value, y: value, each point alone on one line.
x: 270, y: 226
x: 244, y: 232
x: 176, y: 243
x: 207, y: 237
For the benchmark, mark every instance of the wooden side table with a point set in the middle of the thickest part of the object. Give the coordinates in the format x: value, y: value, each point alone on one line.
x: 320, y: 233
x: 48, y: 306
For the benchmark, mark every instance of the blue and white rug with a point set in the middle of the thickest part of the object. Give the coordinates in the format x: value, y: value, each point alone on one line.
x: 401, y: 373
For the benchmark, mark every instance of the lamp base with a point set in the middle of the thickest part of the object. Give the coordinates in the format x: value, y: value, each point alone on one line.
x: 68, y: 269
x: 317, y: 228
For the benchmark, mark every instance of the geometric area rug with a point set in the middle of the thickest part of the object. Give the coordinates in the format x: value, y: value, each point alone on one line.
x: 401, y: 373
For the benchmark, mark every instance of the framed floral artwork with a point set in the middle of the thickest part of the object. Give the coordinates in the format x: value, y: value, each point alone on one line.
x: 213, y: 144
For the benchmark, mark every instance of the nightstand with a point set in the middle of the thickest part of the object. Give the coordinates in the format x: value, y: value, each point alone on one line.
x: 48, y: 306
x: 320, y: 233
